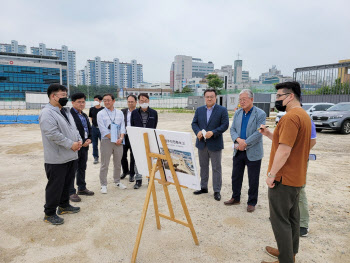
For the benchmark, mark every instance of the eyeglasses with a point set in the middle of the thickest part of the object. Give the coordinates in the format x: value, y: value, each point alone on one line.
x: 243, y: 99
x: 280, y: 95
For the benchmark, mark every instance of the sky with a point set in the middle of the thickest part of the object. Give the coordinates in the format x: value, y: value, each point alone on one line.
x: 288, y: 34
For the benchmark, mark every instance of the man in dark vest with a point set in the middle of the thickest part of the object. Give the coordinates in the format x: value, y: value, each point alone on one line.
x: 83, y: 125
x: 143, y: 117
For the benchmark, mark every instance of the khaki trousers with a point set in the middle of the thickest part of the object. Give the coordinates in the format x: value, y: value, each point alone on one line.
x: 109, y: 148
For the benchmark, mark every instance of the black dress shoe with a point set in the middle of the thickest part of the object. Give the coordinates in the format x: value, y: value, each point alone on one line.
x: 217, y: 196
x: 123, y: 175
x: 138, y: 184
x: 132, y: 178
x: 202, y: 191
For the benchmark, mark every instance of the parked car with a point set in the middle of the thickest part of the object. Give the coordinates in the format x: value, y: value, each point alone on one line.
x: 309, y: 108
x: 336, y: 118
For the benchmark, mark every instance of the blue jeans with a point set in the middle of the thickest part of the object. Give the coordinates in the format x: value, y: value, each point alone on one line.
x: 95, y: 136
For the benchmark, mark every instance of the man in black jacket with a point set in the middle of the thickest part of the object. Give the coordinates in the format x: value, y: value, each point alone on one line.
x: 143, y: 117
x: 132, y: 100
x: 83, y: 125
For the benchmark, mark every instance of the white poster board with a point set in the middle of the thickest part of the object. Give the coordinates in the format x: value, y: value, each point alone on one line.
x: 180, y: 148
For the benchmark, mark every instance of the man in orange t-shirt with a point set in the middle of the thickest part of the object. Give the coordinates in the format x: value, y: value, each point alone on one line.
x: 287, y: 170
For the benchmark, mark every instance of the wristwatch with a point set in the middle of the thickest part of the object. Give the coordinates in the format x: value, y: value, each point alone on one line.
x: 270, y: 175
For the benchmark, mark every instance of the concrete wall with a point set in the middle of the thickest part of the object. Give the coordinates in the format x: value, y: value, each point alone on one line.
x: 10, y: 105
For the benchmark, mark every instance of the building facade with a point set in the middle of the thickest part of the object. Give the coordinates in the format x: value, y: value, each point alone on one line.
x: 237, y: 71
x: 13, y: 48
x: 111, y: 73
x: 21, y: 73
x: 63, y: 54
x: 186, y: 67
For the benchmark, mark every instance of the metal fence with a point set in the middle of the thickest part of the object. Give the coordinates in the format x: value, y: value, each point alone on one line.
x: 330, y: 79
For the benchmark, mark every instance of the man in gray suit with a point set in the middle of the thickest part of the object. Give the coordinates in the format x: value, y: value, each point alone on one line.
x: 248, y: 150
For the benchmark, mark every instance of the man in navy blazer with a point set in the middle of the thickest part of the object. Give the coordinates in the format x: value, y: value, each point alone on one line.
x: 83, y: 125
x: 213, y: 119
x: 248, y: 149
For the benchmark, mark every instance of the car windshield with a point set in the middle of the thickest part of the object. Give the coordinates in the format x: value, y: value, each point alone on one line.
x: 306, y: 107
x: 340, y: 107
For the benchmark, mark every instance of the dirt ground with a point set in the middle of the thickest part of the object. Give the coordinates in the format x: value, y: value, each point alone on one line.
x: 105, y: 229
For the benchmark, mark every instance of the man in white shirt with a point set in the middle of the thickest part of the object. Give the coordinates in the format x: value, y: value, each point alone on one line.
x: 106, y: 119
x: 132, y: 101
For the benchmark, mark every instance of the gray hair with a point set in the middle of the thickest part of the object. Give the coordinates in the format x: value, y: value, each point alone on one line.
x: 248, y: 91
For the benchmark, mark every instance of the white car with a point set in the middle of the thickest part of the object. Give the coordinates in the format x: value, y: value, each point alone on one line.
x: 309, y: 108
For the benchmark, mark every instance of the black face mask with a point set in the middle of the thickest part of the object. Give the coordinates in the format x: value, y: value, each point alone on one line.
x: 279, y: 105
x: 63, y: 101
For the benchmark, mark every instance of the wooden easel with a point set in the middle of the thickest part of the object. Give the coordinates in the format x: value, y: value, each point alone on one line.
x: 152, y: 190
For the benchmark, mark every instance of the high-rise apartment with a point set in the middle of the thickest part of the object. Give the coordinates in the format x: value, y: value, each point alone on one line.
x: 13, y: 48
x: 111, y: 73
x: 63, y: 54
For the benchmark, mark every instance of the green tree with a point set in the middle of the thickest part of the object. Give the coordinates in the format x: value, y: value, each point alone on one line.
x: 186, y: 89
x: 215, y: 82
x: 91, y: 91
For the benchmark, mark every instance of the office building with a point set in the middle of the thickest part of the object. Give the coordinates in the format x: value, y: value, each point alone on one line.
x: 13, y: 48
x: 21, y: 73
x: 63, y: 54
x: 112, y: 73
x: 272, y: 75
x: 245, y: 76
x: 237, y: 75
x: 186, y: 67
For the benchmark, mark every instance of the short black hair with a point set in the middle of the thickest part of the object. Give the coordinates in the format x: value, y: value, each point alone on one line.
x: 143, y: 95
x: 99, y: 97
x: 54, y: 88
x: 210, y: 90
x: 132, y: 96
x: 77, y: 96
x: 109, y: 94
x: 290, y: 87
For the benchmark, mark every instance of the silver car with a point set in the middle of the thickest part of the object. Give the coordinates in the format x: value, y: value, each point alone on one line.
x: 336, y: 118
x: 309, y: 108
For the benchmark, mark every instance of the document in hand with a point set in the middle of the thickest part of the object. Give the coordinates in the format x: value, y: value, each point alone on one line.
x: 115, y: 132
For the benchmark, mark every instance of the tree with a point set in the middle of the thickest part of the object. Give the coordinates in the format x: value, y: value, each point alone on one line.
x: 186, y: 89
x: 91, y: 91
x: 215, y: 82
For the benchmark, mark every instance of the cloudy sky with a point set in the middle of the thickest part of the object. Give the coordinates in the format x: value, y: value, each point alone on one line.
x: 288, y: 34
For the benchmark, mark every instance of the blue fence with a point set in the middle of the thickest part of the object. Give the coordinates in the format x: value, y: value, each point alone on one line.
x: 16, y: 119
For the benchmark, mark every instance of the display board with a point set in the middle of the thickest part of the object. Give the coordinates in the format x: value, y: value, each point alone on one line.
x: 181, y: 150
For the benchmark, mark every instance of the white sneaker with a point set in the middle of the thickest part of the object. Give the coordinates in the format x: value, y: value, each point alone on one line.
x: 120, y: 186
x: 104, y: 189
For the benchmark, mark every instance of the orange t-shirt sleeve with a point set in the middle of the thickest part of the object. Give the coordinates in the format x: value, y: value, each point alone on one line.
x: 288, y: 131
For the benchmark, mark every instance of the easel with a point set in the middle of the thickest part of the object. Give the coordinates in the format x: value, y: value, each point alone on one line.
x: 152, y: 190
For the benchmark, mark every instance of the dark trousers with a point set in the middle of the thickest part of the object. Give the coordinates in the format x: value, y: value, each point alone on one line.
x: 60, y: 177
x: 80, y: 173
x: 285, y: 217
x: 95, y: 136
x: 240, y: 160
x: 124, y: 161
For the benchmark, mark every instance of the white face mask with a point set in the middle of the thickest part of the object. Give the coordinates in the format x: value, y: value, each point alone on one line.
x: 144, y: 105
x: 96, y: 103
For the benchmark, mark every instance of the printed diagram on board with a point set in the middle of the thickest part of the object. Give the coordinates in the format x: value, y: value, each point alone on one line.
x: 182, y: 161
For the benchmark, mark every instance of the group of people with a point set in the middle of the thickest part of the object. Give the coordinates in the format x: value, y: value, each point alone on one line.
x: 67, y: 135
x: 292, y: 140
